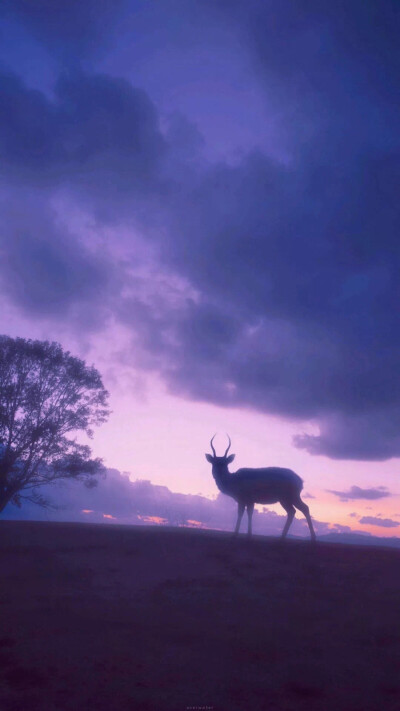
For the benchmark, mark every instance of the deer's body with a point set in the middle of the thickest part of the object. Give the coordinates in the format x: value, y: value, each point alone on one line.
x: 268, y: 485
x: 260, y: 486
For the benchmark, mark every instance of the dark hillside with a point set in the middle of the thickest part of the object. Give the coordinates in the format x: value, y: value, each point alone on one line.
x: 124, y: 618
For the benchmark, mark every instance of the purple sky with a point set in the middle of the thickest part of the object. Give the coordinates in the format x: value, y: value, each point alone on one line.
x: 201, y: 199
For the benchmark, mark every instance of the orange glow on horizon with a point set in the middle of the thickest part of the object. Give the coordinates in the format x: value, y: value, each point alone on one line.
x: 153, y: 519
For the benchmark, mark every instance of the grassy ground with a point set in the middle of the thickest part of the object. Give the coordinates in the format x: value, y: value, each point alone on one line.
x: 124, y: 618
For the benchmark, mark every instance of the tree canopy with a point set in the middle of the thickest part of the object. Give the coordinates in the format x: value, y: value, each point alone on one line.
x: 47, y: 397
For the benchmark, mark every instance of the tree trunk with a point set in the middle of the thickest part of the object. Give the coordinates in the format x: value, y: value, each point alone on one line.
x: 5, y: 498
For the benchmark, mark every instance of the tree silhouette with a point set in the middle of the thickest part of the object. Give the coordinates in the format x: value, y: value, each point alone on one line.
x: 47, y: 397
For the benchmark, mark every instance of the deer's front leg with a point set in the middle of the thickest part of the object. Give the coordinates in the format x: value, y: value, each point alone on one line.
x: 241, y: 508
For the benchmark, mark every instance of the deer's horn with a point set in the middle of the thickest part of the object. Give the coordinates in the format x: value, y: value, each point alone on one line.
x: 229, y: 446
x: 212, y: 446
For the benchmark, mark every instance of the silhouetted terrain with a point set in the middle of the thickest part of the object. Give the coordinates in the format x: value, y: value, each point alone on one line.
x: 112, y: 617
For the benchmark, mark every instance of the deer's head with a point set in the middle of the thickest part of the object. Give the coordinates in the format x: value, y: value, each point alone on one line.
x: 220, y: 464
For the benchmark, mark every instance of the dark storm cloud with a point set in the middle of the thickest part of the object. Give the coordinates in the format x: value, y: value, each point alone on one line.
x: 99, y: 133
x: 372, y: 434
x: 292, y: 265
x: 69, y: 28
x: 300, y: 274
x: 356, y: 492
x: 97, y: 142
x: 300, y: 259
x: 331, y: 69
x: 375, y: 521
x: 46, y: 270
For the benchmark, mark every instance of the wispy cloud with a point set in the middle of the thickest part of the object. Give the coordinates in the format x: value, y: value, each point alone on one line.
x: 356, y: 492
x: 376, y: 521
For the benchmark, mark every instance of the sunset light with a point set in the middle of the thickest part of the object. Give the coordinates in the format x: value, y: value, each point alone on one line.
x: 199, y: 355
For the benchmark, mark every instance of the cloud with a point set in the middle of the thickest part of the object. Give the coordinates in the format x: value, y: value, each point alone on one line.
x: 310, y: 55
x: 70, y: 28
x: 46, y: 270
x: 302, y: 306
x: 356, y: 492
x: 375, y: 521
x: 371, y: 435
x: 119, y: 499
x: 290, y: 264
x: 340, y: 528
x: 68, y: 165
x: 299, y: 259
x: 98, y: 134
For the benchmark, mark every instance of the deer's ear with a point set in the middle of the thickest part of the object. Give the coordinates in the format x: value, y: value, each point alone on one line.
x: 230, y: 458
x: 209, y: 458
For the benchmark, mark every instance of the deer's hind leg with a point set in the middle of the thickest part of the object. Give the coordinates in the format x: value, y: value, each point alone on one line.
x: 299, y: 504
x: 291, y: 512
x: 241, y: 508
x: 250, y: 510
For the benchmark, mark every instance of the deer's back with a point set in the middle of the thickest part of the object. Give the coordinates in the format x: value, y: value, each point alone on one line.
x: 267, y: 485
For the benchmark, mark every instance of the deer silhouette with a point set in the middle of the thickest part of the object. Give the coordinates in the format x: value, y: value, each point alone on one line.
x: 259, y: 486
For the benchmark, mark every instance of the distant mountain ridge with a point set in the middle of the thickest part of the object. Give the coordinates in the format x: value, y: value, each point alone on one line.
x: 360, y: 539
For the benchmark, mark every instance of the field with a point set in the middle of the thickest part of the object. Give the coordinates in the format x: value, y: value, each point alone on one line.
x: 159, y: 619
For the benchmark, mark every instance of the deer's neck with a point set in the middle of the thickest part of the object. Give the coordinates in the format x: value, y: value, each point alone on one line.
x: 223, y: 479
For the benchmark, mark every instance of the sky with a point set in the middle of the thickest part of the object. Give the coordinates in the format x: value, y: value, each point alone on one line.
x: 200, y: 198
